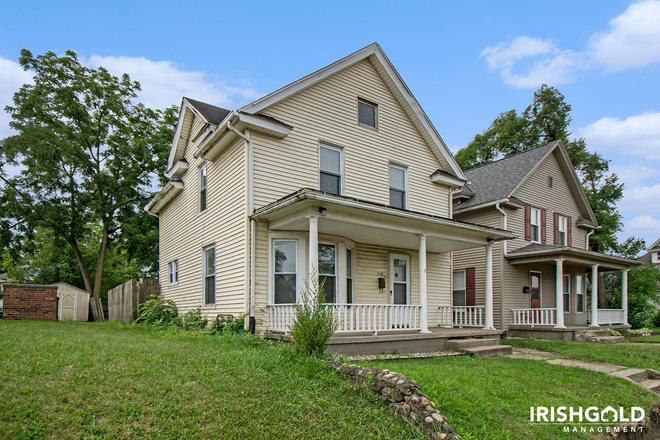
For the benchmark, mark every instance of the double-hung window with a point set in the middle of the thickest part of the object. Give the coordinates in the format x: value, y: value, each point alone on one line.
x: 398, y: 186
x: 579, y: 293
x: 174, y: 271
x: 349, y: 276
x: 286, y: 271
x: 459, y: 288
x: 209, y: 275
x: 567, y: 294
x: 328, y: 270
x: 331, y: 166
x: 535, y: 222
x: 561, y: 230
x: 202, y: 187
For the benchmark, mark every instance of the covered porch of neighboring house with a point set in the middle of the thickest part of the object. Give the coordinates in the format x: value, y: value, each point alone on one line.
x: 386, y: 270
x: 560, y: 287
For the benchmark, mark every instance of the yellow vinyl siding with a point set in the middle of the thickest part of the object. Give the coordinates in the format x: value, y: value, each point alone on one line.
x: 327, y: 112
x: 184, y: 231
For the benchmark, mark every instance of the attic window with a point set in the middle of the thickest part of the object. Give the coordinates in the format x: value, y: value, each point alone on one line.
x: 367, y: 113
x: 550, y: 182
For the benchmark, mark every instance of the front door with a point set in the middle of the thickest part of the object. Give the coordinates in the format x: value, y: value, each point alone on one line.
x: 399, y: 290
x: 535, y: 297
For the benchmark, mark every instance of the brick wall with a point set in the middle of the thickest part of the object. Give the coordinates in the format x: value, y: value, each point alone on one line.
x: 30, y: 301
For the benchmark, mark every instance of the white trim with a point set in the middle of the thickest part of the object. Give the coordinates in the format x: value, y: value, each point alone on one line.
x: 562, y: 220
x: 202, y: 170
x: 178, y: 169
x: 301, y: 260
x: 205, y: 275
x: 340, y: 150
x: 173, y: 280
x: 538, y: 225
x: 163, y: 197
x: 408, y: 272
x: 405, y: 182
x: 577, y: 294
x: 464, y: 287
x: 450, y: 181
x: 570, y: 295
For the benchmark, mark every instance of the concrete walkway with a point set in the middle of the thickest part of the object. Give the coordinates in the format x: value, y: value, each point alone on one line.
x: 645, y: 378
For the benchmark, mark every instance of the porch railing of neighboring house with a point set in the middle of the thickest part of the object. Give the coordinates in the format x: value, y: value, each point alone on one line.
x: 354, y: 317
x: 608, y: 316
x: 532, y: 317
x: 465, y: 316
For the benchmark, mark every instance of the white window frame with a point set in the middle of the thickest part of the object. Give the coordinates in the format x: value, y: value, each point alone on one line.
x: 533, y: 225
x: 336, y: 274
x: 299, y: 265
x: 405, y: 183
x: 453, y: 287
x: 341, y: 165
x: 350, y: 266
x: 205, y: 275
x: 564, y: 293
x: 202, y: 172
x: 370, y: 104
x: 561, y: 229
x: 580, y: 286
x: 173, y: 272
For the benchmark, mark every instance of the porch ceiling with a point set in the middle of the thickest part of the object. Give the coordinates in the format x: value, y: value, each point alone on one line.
x: 378, y: 225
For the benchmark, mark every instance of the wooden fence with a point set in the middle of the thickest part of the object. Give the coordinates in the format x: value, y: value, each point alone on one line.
x: 124, y: 300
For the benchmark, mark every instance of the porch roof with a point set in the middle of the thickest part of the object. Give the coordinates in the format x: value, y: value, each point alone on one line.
x: 536, y: 253
x: 373, y: 223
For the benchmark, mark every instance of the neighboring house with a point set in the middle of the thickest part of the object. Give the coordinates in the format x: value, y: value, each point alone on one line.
x: 339, y: 174
x: 652, y: 254
x: 538, y: 196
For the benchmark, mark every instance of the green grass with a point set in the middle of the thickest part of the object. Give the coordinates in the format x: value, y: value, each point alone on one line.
x: 655, y: 338
x: 86, y: 380
x: 628, y: 355
x: 490, y: 399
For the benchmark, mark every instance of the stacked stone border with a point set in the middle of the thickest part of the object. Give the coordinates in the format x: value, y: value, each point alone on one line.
x: 29, y: 302
x: 403, y: 396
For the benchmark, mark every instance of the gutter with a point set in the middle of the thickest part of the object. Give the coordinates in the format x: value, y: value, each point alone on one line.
x: 484, y: 205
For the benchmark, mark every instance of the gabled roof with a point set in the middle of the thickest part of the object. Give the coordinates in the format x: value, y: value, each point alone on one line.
x: 209, y: 112
x: 497, y: 181
x: 394, y: 82
x: 655, y: 246
x: 646, y: 258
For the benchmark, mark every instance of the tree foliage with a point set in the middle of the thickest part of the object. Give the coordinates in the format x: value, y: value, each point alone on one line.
x: 545, y: 120
x: 89, y: 156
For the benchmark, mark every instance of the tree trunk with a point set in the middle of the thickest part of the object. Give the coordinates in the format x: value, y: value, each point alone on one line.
x: 603, y: 302
x: 95, y: 302
x: 99, y: 274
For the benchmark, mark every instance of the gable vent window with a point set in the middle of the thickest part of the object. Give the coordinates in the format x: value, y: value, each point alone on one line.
x: 331, y: 167
x: 550, y: 182
x: 367, y: 113
x: 398, y: 187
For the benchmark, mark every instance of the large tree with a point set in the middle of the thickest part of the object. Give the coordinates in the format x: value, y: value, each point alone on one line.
x: 545, y: 120
x: 89, y: 158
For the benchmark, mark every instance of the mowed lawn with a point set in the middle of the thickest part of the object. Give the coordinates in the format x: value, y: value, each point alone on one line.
x: 87, y: 380
x: 490, y: 399
x: 628, y: 355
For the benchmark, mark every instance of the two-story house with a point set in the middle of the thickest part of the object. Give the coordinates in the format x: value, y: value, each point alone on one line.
x: 339, y: 175
x: 547, y: 277
x: 652, y: 254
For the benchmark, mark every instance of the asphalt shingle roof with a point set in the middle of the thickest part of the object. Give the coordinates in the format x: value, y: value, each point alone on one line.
x: 497, y: 180
x: 211, y: 113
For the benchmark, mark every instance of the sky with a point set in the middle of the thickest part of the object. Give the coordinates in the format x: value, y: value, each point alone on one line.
x: 465, y: 62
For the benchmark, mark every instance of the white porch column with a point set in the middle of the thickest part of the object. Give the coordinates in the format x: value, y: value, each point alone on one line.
x: 594, y: 296
x: 559, y: 301
x: 624, y: 295
x: 423, y: 312
x: 313, y: 248
x: 489, y: 287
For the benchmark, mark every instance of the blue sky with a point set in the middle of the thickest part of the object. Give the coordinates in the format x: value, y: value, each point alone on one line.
x: 465, y: 62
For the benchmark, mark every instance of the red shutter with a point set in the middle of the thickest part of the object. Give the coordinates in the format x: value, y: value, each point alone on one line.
x: 528, y: 225
x: 469, y: 287
x: 543, y: 225
x: 555, y: 228
x: 569, y: 231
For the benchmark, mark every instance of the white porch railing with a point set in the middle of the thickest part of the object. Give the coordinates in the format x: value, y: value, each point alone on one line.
x: 534, y: 317
x: 609, y: 316
x: 466, y: 316
x: 354, y: 317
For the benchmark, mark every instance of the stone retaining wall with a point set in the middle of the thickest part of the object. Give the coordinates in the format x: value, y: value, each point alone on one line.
x: 30, y: 301
x: 403, y: 397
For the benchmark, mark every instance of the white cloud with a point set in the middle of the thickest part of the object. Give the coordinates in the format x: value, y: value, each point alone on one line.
x: 12, y: 77
x: 164, y: 83
x: 632, y: 41
x: 637, y: 135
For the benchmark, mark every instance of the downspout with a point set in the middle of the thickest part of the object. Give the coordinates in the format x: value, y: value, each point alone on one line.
x: 588, y: 234
x: 497, y: 206
x: 252, y: 221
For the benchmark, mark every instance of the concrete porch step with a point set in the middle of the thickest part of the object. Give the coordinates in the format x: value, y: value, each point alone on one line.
x: 489, y: 351
x: 458, y: 345
x: 608, y: 339
x: 587, y: 335
x: 651, y: 385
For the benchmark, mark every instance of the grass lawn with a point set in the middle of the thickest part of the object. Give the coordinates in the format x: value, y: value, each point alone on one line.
x: 490, y: 399
x: 655, y: 338
x: 629, y: 355
x: 87, y: 380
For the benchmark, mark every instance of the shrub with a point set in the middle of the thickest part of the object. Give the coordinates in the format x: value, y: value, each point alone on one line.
x: 315, y: 321
x: 227, y: 324
x: 192, y: 320
x: 655, y: 322
x: 157, y: 311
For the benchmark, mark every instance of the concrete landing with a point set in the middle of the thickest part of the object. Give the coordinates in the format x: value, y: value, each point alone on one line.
x: 478, y: 347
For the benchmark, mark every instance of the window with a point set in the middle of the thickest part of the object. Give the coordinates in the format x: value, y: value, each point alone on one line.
x: 328, y: 270
x: 331, y: 169
x: 567, y: 294
x: 209, y: 275
x: 579, y: 293
x: 550, y: 182
x: 534, y: 221
x: 349, y: 276
x: 459, y: 288
x: 398, y: 186
x: 561, y: 230
x: 367, y: 113
x: 174, y: 271
x: 656, y: 257
x: 202, y: 188
x: 285, y: 271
